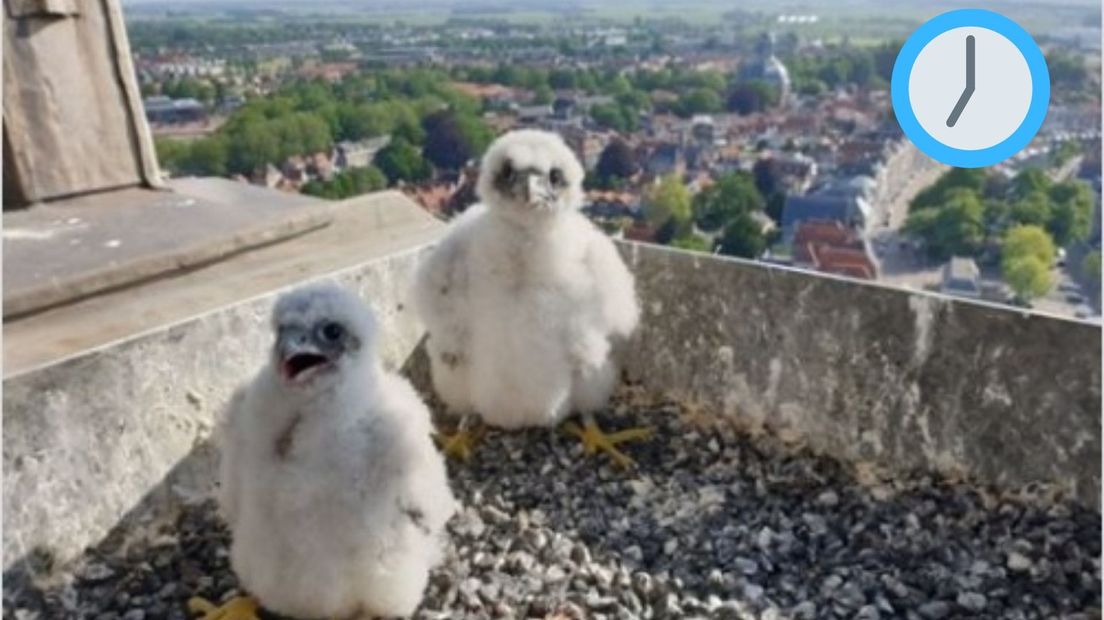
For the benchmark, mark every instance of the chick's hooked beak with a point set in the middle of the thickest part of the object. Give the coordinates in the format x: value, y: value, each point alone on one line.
x: 536, y: 189
x: 298, y: 355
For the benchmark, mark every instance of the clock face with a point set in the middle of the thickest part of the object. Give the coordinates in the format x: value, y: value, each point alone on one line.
x: 970, y: 88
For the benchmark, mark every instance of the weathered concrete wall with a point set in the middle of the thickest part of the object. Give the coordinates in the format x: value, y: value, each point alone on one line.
x: 85, y: 440
x: 870, y: 373
x: 858, y: 371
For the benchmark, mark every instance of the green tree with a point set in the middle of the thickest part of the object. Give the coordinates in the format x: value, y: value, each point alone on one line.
x: 207, y: 157
x: 1067, y: 70
x: 1028, y: 277
x: 973, y: 179
x: 617, y: 161
x: 1034, y: 209
x: 1029, y: 181
x: 349, y: 183
x: 743, y: 237
x: 543, y: 95
x: 401, y: 161
x: 1090, y: 266
x: 731, y: 196
x: 699, y: 101
x: 751, y: 96
x: 252, y: 148
x: 452, y: 140
x: 1024, y: 241
x: 170, y: 153
x: 668, y: 201
x: 958, y: 228
x: 1071, y: 211
x: 690, y: 241
x: 614, y: 116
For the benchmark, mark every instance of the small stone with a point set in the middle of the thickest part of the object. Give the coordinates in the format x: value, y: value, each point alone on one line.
x: 135, y: 614
x: 753, y: 593
x: 764, y: 538
x: 806, y: 610
x: 972, y: 601
x: 934, y: 610
x: 868, y: 612
x: 96, y: 572
x: 555, y: 574
x: 746, y: 566
x: 1017, y: 562
x: 671, y: 546
x: 642, y: 584
x: 828, y: 499
x: 534, y: 539
x: 580, y: 554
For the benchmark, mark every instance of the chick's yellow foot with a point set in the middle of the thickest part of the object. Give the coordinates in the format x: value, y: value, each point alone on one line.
x: 460, y: 444
x: 595, y: 439
x: 237, y: 608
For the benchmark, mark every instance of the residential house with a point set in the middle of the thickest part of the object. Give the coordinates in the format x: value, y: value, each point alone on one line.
x: 533, y: 114
x: 358, y: 154
x: 829, y: 246
x: 665, y: 159
x: 848, y: 211
x: 163, y: 110
x: 961, y: 278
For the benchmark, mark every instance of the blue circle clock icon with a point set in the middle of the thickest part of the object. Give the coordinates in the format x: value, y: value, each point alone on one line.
x: 970, y: 88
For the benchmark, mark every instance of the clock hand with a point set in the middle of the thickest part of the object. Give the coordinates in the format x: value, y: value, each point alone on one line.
x: 969, y: 90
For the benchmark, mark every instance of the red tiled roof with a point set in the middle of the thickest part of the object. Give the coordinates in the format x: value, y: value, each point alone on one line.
x: 831, y: 247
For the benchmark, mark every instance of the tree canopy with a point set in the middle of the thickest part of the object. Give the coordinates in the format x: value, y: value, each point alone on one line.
x: 668, y: 200
x: 401, y: 161
x: 1026, y: 257
x: 743, y: 237
x: 453, y: 139
x: 955, y: 229
x: 617, y: 161
x: 724, y: 201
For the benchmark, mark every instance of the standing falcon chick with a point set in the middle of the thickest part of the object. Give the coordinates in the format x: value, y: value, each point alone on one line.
x: 524, y: 299
x: 331, y: 486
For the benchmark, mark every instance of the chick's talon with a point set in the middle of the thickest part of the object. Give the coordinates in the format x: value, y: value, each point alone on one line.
x: 595, y: 439
x: 461, y: 444
x: 237, y: 608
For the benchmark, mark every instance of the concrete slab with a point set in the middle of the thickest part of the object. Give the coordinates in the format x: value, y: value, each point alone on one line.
x: 361, y: 229
x: 62, y: 251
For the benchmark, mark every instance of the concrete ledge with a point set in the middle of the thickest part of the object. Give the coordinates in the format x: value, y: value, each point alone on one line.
x: 361, y: 230
x: 868, y: 373
x: 63, y: 251
x: 86, y: 439
x: 860, y: 372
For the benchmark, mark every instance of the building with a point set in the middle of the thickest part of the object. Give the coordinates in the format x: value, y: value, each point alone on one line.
x: 533, y: 114
x: 767, y: 67
x: 358, y: 154
x: 703, y: 129
x: 831, y: 247
x: 163, y: 110
x: 845, y: 210
x: 665, y: 159
x: 961, y: 278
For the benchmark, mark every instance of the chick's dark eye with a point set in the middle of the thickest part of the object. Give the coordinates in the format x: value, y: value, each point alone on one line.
x: 556, y: 176
x: 508, y: 172
x: 332, y: 332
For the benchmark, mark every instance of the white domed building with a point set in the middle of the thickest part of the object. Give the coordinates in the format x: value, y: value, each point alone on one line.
x: 766, y: 66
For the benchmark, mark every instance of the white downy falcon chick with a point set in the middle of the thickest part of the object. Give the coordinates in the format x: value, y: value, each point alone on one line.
x: 333, y: 491
x: 524, y: 299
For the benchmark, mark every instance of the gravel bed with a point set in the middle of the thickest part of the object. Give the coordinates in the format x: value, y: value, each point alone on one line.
x: 712, y: 523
